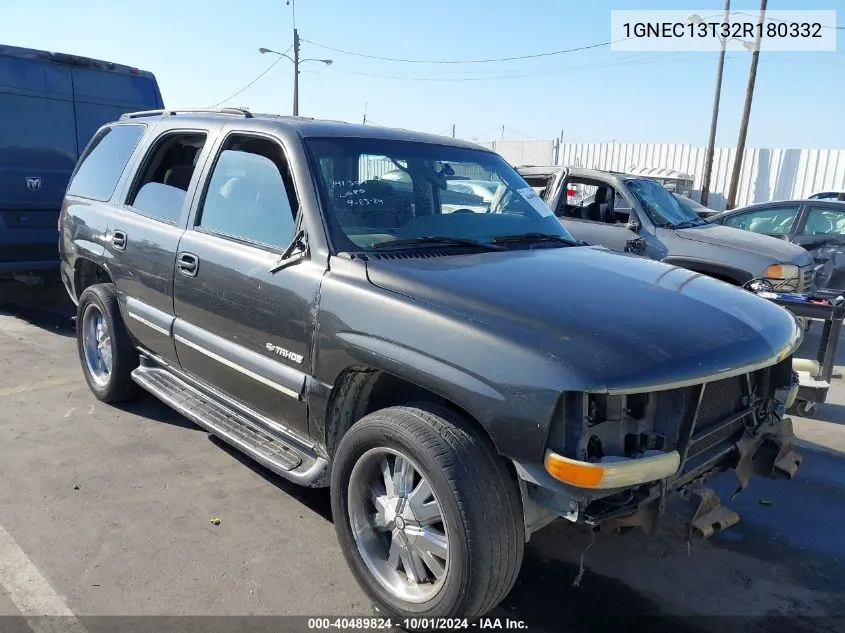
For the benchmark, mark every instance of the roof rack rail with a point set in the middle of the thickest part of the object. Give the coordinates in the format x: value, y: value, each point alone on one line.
x: 168, y: 112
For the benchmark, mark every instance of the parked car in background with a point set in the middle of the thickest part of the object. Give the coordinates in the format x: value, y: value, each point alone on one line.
x: 485, y: 189
x: 817, y: 225
x: 632, y: 213
x: 50, y: 106
x: 458, y: 379
x: 695, y: 207
x: 828, y: 195
x: 461, y: 192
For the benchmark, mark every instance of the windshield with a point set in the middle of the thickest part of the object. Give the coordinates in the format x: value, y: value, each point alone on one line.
x: 660, y: 204
x: 376, y: 191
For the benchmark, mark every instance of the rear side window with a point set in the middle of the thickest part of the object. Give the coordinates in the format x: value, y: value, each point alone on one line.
x: 103, y: 162
x: 160, y: 191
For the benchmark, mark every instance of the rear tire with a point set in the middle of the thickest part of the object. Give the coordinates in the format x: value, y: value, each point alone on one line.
x: 471, y: 532
x: 106, y: 352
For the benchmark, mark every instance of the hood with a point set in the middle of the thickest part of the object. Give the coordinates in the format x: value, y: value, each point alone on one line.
x: 611, y: 322
x: 776, y: 249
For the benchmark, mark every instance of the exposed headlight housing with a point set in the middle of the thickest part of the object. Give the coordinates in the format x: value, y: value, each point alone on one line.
x: 783, y: 276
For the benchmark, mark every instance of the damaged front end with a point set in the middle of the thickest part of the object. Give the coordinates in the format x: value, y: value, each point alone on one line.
x: 615, y: 461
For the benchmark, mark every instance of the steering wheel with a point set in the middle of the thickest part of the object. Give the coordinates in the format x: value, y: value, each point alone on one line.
x: 463, y: 210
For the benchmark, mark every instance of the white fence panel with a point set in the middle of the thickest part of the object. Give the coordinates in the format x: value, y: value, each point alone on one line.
x: 766, y: 174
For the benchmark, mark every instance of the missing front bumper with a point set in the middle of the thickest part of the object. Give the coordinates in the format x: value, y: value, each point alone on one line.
x: 769, y: 452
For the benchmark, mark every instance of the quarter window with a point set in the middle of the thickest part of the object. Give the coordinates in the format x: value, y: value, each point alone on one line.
x: 168, y: 169
x: 103, y: 162
x: 250, y: 194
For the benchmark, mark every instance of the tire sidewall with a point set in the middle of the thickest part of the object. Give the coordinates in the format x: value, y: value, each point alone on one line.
x: 354, y: 444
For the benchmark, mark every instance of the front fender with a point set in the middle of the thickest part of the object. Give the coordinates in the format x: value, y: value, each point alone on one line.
x: 510, y: 389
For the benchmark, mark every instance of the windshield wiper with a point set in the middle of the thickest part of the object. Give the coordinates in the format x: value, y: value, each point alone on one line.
x: 538, y: 237
x: 437, y: 239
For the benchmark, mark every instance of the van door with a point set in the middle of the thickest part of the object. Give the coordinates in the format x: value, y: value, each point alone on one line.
x: 102, y: 96
x: 38, y: 151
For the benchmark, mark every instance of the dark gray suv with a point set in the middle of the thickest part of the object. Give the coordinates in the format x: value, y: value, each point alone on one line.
x: 458, y: 377
x: 636, y: 214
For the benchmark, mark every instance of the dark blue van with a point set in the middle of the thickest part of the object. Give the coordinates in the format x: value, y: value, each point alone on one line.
x: 51, y: 104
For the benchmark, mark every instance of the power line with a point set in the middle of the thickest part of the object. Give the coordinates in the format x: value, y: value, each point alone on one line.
x: 465, y: 61
x: 541, y: 73
x: 518, y: 133
x: 266, y: 70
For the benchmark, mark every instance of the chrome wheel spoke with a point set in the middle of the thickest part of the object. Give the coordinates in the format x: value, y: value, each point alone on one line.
x: 421, y: 493
x: 415, y: 570
x: 428, y: 513
x: 378, y: 521
x: 387, y: 475
x: 432, y: 541
x: 434, y: 564
x: 403, y: 476
x: 395, y: 552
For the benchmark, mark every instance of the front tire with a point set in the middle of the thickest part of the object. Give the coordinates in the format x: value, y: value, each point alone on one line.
x: 427, y: 513
x: 106, y: 352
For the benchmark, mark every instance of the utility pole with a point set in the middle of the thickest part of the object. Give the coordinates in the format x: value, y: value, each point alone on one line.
x: 296, y: 61
x: 503, y: 132
x: 295, y: 72
x: 365, y: 115
x: 711, y: 143
x: 746, y: 111
x: 453, y: 130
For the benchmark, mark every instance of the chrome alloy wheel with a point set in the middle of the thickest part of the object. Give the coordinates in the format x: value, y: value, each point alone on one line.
x: 398, y: 525
x: 97, y: 345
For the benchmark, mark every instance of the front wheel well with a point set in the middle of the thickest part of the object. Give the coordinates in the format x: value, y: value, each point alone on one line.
x: 362, y: 390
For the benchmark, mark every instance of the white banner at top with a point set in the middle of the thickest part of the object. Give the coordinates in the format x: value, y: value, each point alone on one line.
x: 707, y: 29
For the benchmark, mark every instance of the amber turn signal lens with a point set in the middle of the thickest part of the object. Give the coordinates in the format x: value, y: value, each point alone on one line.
x: 572, y: 472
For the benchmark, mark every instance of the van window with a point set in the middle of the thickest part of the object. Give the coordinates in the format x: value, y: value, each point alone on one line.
x: 103, y: 162
x: 167, y: 172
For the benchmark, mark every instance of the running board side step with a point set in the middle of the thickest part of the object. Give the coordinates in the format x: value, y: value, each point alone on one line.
x: 234, y: 428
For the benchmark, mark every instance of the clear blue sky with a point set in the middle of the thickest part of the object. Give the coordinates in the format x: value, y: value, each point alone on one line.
x: 203, y: 51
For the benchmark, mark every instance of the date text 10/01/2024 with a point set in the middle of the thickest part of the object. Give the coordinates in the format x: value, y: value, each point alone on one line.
x: 436, y: 624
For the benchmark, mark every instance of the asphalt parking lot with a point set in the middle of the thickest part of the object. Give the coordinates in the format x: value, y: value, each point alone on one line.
x: 107, y: 511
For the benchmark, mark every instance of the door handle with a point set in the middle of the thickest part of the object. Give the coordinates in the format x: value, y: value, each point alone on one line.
x: 118, y: 240
x: 188, y: 264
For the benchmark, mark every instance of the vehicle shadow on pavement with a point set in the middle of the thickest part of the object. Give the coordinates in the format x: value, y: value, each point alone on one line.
x: 46, y: 306
x: 546, y: 599
x: 150, y: 407
x: 315, y: 499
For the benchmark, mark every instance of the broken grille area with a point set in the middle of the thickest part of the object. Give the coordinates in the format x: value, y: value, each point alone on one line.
x: 718, y: 422
x: 720, y: 399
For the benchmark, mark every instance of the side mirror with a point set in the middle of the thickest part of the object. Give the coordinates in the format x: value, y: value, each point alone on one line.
x: 636, y: 246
